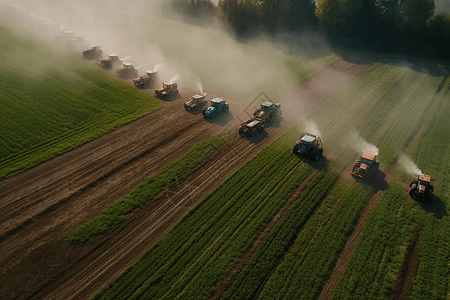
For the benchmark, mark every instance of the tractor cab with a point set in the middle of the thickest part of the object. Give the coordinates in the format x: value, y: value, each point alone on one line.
x: 95, y: 48
x: 198, y: 98
x: 267, y: 106
x: 217, y: 102
x: 128, y: 65
x: 423, y: 182
x: 306, y: 142
x: 168, y: 86
x: 367, y: 160
x: 113, y: 57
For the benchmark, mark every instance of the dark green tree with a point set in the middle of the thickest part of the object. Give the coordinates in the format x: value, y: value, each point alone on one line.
x: 240, y: 15
x: 301, y: 15
x: 416, y: 13
x: 273, y: 13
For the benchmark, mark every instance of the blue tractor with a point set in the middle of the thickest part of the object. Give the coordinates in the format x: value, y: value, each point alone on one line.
x: 218, y: 105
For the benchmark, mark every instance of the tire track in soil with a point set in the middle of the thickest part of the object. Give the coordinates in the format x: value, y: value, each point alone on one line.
x: 226, y: 283
x: 408, y: 270
x: 59, y: 270
x: 341, y: 263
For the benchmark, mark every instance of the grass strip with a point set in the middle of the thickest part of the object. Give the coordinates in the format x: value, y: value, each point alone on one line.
x: 146, y: 191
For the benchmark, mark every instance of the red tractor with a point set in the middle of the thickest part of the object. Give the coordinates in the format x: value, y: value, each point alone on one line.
x: 366, y: 166
x: 421, y: 188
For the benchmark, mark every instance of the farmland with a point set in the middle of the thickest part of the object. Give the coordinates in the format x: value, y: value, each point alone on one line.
x: 286, y: 260
x: 55, y: 103
x: 154, y: 202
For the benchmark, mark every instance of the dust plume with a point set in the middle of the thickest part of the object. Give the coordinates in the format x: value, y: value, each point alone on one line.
x: 199, y: 85
x: 408, y: 165
x: 175, y: 78
x: 311, y: 127
x: 360, y: 145
x: 157, y: 67
x: 136, y: 29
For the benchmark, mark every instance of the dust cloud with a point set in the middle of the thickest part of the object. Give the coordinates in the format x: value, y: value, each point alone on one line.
x: 133, y: 29
x: 408, y: 165
x: 311, y: 127
x: 360, y: 145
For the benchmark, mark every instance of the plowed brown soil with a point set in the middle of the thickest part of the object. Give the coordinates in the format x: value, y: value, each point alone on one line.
x: 41, y: 206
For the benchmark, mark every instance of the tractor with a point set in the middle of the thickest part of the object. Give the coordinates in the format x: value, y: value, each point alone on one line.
x: 366, y: 166
x: 110, y: 63
x: 218, y: 105
x: 309, y: 145
x: 252, y: 127
x: 93, y: 53
x: 269, y: 112
x: 127, y: 71
x: 147, y: 81
x: 421, y: 188
x: 168, y: 90
x: 198, y: 101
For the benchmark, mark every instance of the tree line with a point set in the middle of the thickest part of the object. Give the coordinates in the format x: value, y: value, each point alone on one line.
x: 381, y: 24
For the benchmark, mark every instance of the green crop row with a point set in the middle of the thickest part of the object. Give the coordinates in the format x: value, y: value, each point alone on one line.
x: 201, y: 249
x: 305, y: 267
x: 146, y: 191
x: 313, y: 271
x: 54, y: 102
x: 400, y: 114
x: 385, y: 105
x: 275, y: 245
x: 277, y: 284
x: 430, y: 152
x: 433, y: 274
x: 373, y: 267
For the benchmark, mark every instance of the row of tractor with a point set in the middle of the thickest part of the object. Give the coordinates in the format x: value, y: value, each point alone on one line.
x: 309, y: 145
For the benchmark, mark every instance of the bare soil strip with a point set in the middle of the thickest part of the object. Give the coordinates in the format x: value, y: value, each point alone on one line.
x: 223, y: 286
x: 44, y: 204
x: 408, y: 270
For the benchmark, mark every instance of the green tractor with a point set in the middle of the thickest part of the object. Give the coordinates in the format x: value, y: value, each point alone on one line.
x: 309, y: 145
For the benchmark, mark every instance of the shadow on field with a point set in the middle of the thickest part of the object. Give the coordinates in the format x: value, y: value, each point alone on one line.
x: 222, y: 119
x: 255, y: 139
x: 195, y: 112
x: 378, y: 184
x: 435, y: 206
x: 321, y: 164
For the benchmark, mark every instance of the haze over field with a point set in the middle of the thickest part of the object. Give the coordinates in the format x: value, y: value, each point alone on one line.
x: 133, y: 31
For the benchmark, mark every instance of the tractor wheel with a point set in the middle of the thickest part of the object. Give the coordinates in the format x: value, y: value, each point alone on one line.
x: 318, y: 155
x: 296, y: 148
x: 256, y: 112
x: 213, y: 115
x: 413, y: 182
x: 227, y: 108
x: 241, y: 130
x: 413, y: 190
x: 176, y: 93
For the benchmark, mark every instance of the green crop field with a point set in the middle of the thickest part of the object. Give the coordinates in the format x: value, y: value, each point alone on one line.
x: 53, y: 101
x: 394, y: 108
